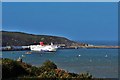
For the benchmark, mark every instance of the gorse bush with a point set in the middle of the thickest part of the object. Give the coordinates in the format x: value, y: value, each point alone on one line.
x: 12, y: 68
x: 49, y: 65
x: 48, y: 70
x: 85, y: 76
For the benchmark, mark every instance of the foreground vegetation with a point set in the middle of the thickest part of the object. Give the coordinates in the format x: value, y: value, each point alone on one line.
x: 14, y: 69
x: 19, y: 70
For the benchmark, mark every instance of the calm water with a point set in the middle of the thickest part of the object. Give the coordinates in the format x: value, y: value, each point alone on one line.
x: 98, y: 62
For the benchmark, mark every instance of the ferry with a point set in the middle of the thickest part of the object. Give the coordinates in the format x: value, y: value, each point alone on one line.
x: 44, y: 48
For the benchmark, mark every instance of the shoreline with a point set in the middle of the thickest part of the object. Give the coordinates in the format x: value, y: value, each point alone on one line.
x: 103, y: 47
x: 68, y: 47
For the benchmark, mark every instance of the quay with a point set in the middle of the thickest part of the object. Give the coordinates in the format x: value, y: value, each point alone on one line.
x: 92, y: 47
x: 20, y: 48
x: 103, y: 47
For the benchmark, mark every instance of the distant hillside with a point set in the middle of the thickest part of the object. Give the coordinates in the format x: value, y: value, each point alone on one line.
x: 20, y: 39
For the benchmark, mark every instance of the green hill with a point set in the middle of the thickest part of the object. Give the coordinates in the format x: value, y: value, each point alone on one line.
x: 21, y: 39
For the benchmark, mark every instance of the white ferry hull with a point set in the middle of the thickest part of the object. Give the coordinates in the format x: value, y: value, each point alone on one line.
x: 46, y: 48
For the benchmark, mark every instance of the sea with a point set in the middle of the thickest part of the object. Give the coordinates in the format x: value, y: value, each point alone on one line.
x: 100, y: 63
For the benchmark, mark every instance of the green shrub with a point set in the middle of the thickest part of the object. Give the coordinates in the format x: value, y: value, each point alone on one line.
x: 11, y: 68
x: 73, y: 74
x: 48, y: 65
x: 85, y: 76
x: 35, y: 71
x: 49, y: 74
x: 48, y: 70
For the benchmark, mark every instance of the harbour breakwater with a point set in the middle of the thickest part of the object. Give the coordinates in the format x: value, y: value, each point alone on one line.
x: 104, y: 47
x: 92, y: 47
x: 15, y: 48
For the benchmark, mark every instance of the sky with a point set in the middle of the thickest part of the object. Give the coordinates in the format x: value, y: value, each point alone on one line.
x: 0, y: 16
x: 73, y: 20
x: 60, y: 0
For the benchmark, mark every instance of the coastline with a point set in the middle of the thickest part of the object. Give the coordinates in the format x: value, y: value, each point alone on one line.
x: 67, y: 47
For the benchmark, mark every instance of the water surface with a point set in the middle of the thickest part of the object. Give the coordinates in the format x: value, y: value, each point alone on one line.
x: 99, y: 62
